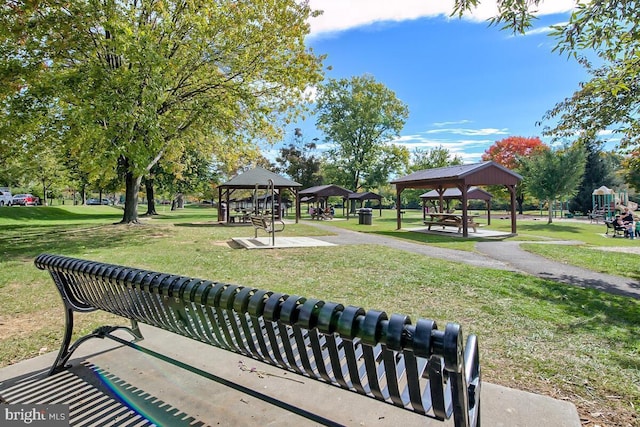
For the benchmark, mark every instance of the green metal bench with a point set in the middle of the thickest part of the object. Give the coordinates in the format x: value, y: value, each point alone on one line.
x: 417, y: 367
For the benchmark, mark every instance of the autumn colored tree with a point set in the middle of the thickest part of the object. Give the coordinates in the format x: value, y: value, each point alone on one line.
x: 509, y: 152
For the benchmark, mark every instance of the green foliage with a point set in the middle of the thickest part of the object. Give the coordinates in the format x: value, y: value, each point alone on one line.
x: 609, y: 100
x: 599, y: 170
x: 134, y: 82
x: 436, y: 157
x: 359, y: 116
x: 299, y: 162
x: 553, y: 174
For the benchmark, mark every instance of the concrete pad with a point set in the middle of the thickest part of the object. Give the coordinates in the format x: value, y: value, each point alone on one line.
x: 110, y: 384
x: 280, y: 242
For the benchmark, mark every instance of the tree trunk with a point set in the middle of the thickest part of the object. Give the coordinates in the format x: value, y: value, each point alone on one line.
x: 550, y: 213
x: 520, y: 202
x: 130, y: 215
x: 44, y: 194
x: 180, y: 200
x: 151, y: 201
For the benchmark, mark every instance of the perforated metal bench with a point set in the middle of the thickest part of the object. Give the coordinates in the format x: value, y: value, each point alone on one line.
x: 417, y: 367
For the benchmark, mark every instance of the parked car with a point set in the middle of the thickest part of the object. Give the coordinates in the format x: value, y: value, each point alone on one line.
x: 98, y: 202
x: 24, y: 200
x: 6, y: 199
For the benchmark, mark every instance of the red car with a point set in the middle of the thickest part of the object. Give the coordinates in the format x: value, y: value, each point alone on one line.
x: 24, y: 200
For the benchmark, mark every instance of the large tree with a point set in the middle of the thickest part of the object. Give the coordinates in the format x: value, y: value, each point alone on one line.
x: 553, y: 174
x: 359, y: 116
x: 136, y: 81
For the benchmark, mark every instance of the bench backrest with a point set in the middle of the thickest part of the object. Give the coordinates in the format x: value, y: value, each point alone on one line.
x: 414, y: 366
x: 259, y: 222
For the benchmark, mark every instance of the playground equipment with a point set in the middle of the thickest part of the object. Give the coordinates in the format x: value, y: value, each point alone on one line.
x: 605, y: 202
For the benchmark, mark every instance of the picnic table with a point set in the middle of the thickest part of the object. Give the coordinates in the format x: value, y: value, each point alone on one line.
x: 451, y: 219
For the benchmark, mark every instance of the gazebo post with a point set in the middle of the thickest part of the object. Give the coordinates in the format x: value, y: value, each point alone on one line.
x: 512, y: 193
x: 398, y: 208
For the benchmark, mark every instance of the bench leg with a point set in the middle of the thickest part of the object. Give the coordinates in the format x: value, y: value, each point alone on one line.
x: 66, y: 350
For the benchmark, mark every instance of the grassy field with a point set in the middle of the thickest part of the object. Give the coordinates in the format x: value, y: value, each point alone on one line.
x: 536, y: 335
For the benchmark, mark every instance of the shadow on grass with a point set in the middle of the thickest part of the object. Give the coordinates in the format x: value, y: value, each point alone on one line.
x: 615, y: 317
x: 70, y: 240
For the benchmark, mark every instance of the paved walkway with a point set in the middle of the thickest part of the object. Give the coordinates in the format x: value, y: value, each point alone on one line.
x: 500, y: 255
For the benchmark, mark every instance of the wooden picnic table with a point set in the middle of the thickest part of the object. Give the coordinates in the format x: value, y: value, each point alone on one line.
x: 452, y: 220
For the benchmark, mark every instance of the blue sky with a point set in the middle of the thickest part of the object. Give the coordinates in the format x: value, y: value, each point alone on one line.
x: 466, y: 84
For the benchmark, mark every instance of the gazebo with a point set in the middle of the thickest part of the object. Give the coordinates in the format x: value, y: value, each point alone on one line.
x: 257, y: 178
x: 362, y: 197
x: 322, y: 192
x: 474, y: 193
x: 462, y: 177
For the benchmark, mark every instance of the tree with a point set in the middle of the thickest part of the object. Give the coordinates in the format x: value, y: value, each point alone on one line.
x: 631, y: 170
x: 436, y: 157
x: 553, y: 174
x: 600, y: 170
x: 508, y: 152
x: 607, y: 28
x: 138, y: 81
x: 358, y: 116
x: 299, y: 163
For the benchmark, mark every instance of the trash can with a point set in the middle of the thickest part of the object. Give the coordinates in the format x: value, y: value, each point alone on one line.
x: 364, y: 216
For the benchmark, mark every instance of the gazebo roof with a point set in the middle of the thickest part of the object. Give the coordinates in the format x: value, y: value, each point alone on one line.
x: 365, y: 196
x: 259, y: 176
x: 454, y: 193
x: 483, y: 173
x: 326, y: 191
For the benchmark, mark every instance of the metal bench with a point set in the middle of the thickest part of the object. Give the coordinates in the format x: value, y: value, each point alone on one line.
x: 264, y: 223
x: 417, y: 367
x: 616, y: 230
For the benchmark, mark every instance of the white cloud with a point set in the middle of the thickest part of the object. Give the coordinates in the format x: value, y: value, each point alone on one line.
x: 342, y: 15
x: 543, y: 30
x: 470, y: 132
x: 458, y: 122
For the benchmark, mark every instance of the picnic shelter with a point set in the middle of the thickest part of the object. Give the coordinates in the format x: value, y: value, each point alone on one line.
x: 362, y: 197
x: 319, y: 195
x: 256, y: 179
x: 462, y: 177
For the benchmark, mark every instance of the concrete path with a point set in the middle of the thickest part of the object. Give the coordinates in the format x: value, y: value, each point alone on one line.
x: 499, y: 255
x: 112, y: 385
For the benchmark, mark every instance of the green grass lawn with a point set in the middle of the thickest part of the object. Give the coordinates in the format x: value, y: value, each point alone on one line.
x: 588, y: 236
x: 535, y: 335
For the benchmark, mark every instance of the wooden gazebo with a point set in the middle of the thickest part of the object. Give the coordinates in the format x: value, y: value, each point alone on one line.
x: 462, y: 177
x: 256, y: 178
x: 362, y: 197
x: 322, y: 192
